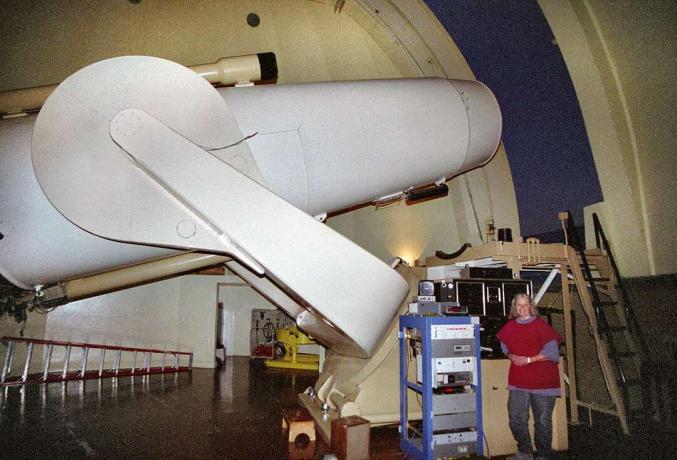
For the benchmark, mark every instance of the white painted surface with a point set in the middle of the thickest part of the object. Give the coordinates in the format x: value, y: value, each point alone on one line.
x: 316, y: 266
x: 353, y: 142
x: 312, y: 43
x: 239, y: 301
x: 409, y: 132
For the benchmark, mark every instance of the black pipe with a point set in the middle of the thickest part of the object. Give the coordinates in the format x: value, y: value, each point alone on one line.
x: 426, y: 193
x: 268, y: 64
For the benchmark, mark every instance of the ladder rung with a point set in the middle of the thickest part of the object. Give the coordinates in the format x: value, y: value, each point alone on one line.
x: 597, y: 278
x: 83, y: 362
x: 29, y: 354
x: 48, y: 360
x: 8, y: 362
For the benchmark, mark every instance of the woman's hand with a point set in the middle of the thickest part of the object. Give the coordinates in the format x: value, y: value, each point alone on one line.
x: 518, y: 360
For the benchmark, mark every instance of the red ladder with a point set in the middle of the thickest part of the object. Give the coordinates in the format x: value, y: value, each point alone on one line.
x: 82, y: 373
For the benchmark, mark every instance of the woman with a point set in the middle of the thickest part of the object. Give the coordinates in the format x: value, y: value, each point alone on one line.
x: 533, y: 380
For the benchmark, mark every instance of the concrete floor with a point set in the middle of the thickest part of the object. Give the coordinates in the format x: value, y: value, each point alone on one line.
x: 231, y: 413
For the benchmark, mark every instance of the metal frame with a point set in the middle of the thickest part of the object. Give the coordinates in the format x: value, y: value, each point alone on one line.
x: 424, y: 324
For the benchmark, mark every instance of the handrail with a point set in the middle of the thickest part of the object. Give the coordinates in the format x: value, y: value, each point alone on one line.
x: 600, y: 237
x: 90, y: 345
x: 602, y: 324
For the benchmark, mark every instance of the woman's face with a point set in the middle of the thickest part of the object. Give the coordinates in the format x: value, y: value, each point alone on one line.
x: 523, y: 308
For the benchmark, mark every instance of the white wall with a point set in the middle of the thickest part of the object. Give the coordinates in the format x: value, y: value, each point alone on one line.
x: 197, y: 317
x: 238, y: 302
x: 177, y: 314
x: 144, y: 316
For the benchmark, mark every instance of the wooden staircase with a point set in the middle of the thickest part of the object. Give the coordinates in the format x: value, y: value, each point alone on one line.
x: 612, y: 321
x: 615, y: 374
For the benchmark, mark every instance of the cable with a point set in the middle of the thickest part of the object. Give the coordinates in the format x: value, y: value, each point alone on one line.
x: 474, y: 210
x: 210, y: 149
x: 486, y: 441
x: 491, y: 202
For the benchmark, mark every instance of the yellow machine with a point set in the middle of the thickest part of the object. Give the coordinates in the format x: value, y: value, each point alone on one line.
x: 294, y: 343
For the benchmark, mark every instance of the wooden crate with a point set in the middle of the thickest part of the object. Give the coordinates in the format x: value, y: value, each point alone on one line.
x: 298, y: 422
x: 350, y: 438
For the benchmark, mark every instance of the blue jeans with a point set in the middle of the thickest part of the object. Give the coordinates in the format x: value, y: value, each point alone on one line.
x: 518, y: 414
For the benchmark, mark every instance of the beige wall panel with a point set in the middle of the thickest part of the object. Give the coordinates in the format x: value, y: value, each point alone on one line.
x: 44, y: 45
x: 621, y: 58
x: 503, y: 204
x: 495, y: 411
x: 177, y: 314
x: 144, y: 317
x: 401, y: 230
x: 641, y: 46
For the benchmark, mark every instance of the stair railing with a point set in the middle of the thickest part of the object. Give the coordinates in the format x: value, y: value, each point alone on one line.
x: 602, y: 323
x: 602, y: 243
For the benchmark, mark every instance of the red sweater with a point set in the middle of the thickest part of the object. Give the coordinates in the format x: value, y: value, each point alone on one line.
x: 528, y: 340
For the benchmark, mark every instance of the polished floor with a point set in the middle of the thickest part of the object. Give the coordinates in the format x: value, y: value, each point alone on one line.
x: 230, y: 413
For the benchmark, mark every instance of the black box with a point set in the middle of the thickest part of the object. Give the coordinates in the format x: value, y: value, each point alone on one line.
x: 498, y: 273
x: 445, y: 291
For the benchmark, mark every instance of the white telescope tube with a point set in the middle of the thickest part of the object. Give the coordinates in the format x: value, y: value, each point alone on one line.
x: 321, y: 147
x: 328, y: 146
x: 181, y: 167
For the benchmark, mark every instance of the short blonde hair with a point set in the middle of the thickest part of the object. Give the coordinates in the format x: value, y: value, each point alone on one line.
x: 513, y: 305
